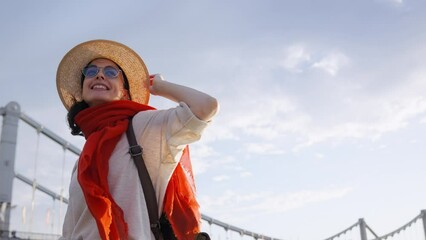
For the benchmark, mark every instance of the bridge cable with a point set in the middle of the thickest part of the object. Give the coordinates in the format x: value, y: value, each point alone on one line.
x: 52, y: 216
x: 400, y: 229
x: 61, y: 198
x: 344, y: 231
x: 227, y: 234
x: 371, y: 231
x: 35, y: 178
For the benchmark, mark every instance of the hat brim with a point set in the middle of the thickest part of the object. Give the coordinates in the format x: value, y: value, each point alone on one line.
x: 68, y: 76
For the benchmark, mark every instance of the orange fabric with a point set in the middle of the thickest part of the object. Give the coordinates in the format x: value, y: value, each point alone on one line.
x: 103, y: 126
x: 180, y: 205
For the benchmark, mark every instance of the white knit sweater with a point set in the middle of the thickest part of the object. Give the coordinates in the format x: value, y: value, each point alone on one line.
x: 162, y: 134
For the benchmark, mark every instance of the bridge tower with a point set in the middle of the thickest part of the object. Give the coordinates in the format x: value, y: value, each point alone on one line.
x: 424, y: 221
x: 363, y: 228
x: 8, y: 141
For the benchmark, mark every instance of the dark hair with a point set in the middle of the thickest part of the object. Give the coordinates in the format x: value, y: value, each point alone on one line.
x: 74, y: 110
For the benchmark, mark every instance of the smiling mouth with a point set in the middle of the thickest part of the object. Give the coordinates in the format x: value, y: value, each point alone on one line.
x: 99, y: 87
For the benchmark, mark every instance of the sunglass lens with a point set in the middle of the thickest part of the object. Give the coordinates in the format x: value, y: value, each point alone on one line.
x: 110, y: 72
x: 90, y: 71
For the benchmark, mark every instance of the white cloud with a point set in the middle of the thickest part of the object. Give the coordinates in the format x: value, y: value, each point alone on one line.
x: 201, y: 165
x: 264, y: 149
x: 295, y: 200
x: 221, y: 178
x: 294, y: 58
x: 202, y: 151
x: 246, y: 174
x: 297, y: 59
x: 332, y: 63
x: 395, y: 2
x: 274, y: 115
x: 265, y: 109
x: 204, y: 156
x: 266, y: 117
x: 216, y: 131
x: 268, y: 202
x: 383, y: 146
x: 384, y: 122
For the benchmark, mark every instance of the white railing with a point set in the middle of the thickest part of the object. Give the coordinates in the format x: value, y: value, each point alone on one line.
x: 11, y: 115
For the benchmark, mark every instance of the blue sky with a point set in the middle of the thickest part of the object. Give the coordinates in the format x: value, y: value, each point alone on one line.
x: 323, y: 112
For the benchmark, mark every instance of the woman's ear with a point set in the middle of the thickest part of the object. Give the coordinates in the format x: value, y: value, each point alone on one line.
x: 126, y: 95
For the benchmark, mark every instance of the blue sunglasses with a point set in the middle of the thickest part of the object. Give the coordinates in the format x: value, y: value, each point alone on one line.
x: 92, y: 70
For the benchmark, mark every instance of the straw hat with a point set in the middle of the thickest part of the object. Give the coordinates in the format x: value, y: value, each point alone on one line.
x: 69, y: 73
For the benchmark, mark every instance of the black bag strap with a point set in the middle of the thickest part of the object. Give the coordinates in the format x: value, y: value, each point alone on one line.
x: 135, y: 150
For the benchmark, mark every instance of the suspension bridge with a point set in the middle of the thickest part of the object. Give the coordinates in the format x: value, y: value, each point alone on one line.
x: 12, y: 115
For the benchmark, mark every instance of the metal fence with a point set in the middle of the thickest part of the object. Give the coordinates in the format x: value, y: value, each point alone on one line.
x: 11, y: 115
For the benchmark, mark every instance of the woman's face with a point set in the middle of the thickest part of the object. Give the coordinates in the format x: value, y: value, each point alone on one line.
x: 100, y: 84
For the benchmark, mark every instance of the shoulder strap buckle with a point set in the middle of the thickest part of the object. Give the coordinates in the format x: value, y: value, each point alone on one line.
x: 135, y: 150
x: 156, y: 230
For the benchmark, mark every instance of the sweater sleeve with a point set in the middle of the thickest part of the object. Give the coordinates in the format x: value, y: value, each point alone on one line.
x: 163, y: 134
x: 167, y: 132
x: 183, y: 128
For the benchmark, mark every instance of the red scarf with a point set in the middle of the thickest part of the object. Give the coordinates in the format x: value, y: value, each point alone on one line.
x: 180, y: 205
x: 103, y: 127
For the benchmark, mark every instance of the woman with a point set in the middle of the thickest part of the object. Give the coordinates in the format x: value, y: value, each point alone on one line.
x: 103, y: 84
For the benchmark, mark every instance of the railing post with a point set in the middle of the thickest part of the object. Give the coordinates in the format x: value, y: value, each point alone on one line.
x: 8, y: 139
x: 424, y: 221
x: 363, y: 229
